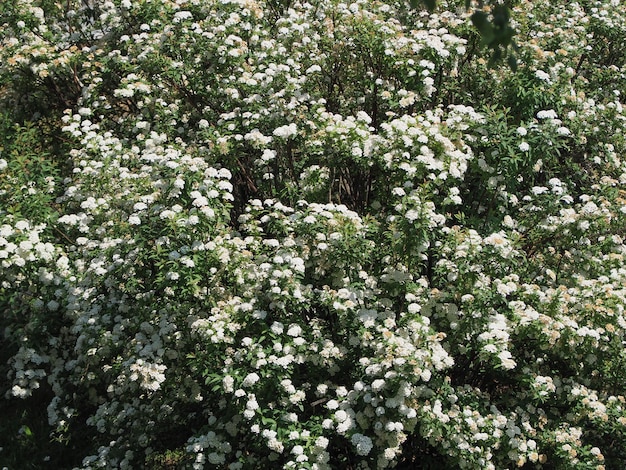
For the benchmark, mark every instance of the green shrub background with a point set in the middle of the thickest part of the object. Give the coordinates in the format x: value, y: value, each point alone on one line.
x: 240, y: 234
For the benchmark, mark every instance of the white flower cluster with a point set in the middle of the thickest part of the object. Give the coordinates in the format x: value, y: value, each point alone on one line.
x: 21, y: 245
x: 297, y: 236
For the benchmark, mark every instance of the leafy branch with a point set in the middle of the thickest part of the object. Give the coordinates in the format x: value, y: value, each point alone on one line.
x: 493, y: 23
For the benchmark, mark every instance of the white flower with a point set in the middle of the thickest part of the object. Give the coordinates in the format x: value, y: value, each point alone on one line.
x: 200, y: 201
x: 224, y: 173
x: 547, y: 114
x: 268, y: 433
x: 151, y: 376
x: 364, y: 117
x: 332, y: 404
x: 285, y: 360
x: 345, y: 426
x: 589, y: 208
x: 490, y: 348
x: 181, y: 16
x: 277, y: 328
x: 313, y: 69
x: 541, y: 75
x: 123, y: 92
x: 3, y: 164
x: 297, y: 397
x: 20, y: 392
x: 321, y: 442
x: 268, y: 155
x: 563, y: 131
x: 495, y: 239
x: 377, y: 385
x: 555, y: 182
x: 286, y: 131
x: 412, y: 215
x: 134, y: 220
x: 522, y: 131
x: 250, y: 379
x: 294, y: 330
x: 507, y: 360
x: 362, y: 443
x: 524, y: 147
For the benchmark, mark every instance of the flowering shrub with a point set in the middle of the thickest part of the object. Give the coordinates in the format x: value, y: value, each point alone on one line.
x: 245, y: 233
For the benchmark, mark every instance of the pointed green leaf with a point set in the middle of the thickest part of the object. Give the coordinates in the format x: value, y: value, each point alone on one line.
x: 26, y: 430
x: 484, y: 27
x: 479, y: 20
x: 500, y: 16
x: 496, y: 56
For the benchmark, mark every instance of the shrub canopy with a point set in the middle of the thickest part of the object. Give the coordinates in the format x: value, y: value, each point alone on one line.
x: 243, y: 233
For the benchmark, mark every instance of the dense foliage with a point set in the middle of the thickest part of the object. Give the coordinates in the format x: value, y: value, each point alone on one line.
x: 238, y: 234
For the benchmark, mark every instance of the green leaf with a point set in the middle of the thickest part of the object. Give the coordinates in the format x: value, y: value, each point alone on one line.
x: 501, y: 16
x: 506, y: 38
x: 480, y: 20
x: 268, y: 421
x: 26, y: 430
x: 496, y: 57
x: 483, y: 25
